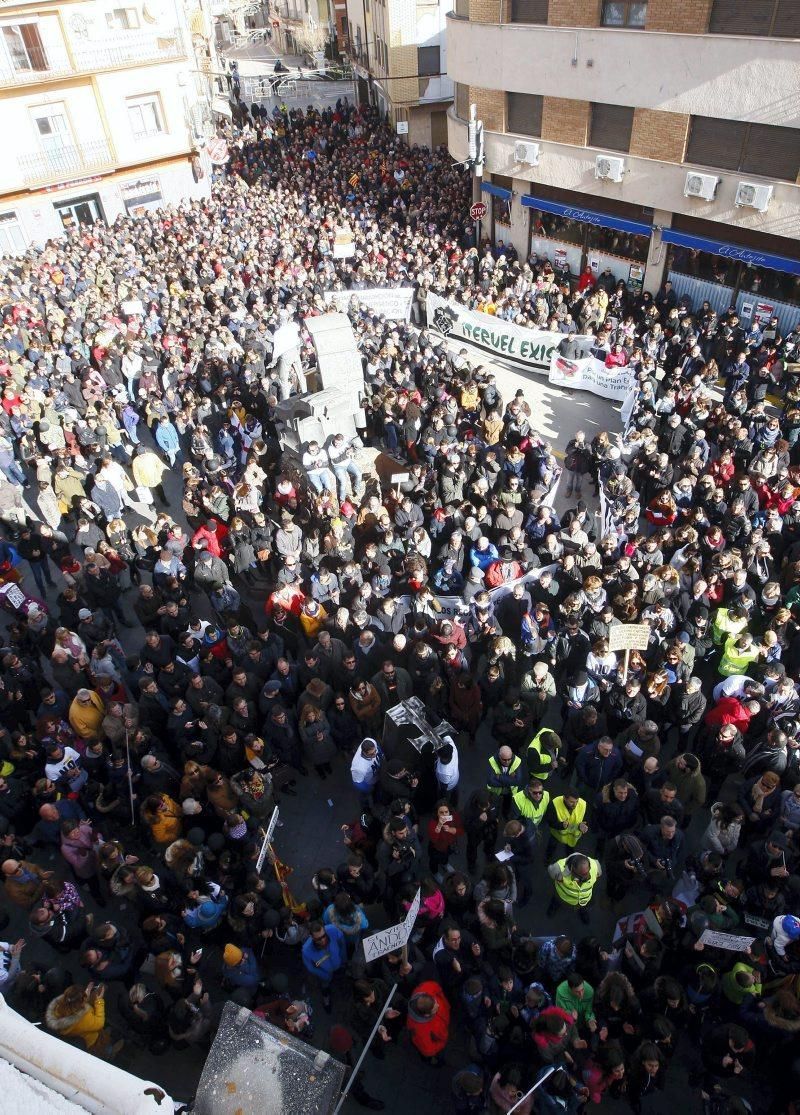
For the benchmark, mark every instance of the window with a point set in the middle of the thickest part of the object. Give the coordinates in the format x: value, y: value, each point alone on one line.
x: 12, y: 239
x: 611, y: 127
x: 428, y: 63
x: 762, y: 149
x: 501, y: 209
x: 24, y: 46
x: 775, y: 18
x: 524, y: 114
x: 122, y: 19
x: 52, y: 127
x: 145, y: 115
x: 529, y: 11
x: 462, y: 101
x: 624, y: 13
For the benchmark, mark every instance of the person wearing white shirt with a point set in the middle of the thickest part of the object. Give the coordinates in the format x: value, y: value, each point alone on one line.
x: 446, y: 769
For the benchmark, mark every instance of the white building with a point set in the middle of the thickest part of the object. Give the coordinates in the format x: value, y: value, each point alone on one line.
x: 105, y: 111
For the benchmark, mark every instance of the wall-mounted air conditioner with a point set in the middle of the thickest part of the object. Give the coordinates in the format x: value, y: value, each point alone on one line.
x: 527, y: 153
x: 753, y: 196
x: 606, y: 166
x: 701, y: 185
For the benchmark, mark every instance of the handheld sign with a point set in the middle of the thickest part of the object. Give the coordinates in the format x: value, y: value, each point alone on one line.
x: 393, y: 938
x: 262, y: 855
x: 729, y: 941
x: 628, y: 636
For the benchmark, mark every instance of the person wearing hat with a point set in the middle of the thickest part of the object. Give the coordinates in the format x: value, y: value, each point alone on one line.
x: 240, y: 970
x: 207, y: 913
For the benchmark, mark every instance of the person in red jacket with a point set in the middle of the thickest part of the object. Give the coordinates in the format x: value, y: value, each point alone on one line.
x: 214, y: 534
x: 428, y: 1020
x: 444, y: 829
x: 730, y: 710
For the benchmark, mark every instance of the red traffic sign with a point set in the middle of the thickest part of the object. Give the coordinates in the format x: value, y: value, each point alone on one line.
x: 477, y: 210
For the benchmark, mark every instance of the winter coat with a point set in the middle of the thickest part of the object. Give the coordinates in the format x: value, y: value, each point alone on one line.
x: 429, y: 1035
x: 86, y: 1023
x: 318, y: 750
x: 78, y: 851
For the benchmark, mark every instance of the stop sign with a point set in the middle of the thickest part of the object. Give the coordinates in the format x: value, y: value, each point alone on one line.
x: 477, y: 210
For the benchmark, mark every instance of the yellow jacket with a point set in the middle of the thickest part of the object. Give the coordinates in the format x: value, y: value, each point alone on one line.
x: 148, y: 469
x: 167, y: 825
x: 86, y: 719
x: 86, y: 1023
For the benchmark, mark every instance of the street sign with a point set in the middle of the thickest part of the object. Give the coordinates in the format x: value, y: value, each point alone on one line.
x: 477, y: 210
x: 262, y: 855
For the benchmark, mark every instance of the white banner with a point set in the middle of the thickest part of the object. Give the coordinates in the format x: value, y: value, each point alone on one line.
x: 393, y: 303
x: 527, y: 348
x: 393, y: 937
x: 286, y: 338
x: 592, y: 375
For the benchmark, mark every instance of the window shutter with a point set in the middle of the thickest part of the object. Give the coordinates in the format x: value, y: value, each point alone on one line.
x: 529, y: 11
x: 716, y: 143
x: 524, y: 114
x: 740, y: 17
x: 772, y: 152
x: 611, y: 127
x: 462, y: 101
x: 787, y: 20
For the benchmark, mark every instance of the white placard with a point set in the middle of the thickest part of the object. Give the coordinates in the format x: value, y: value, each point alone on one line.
x: 393, y: 302
x: 591, y: 374
x: 262, y: 855
x: 392, y: 938
x: 729, y: 941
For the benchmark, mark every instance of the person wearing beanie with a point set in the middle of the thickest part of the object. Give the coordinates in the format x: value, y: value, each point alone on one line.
x: 240, y: 970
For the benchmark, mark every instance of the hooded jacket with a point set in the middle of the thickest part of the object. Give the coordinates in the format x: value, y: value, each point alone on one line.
x: 429, y: 1035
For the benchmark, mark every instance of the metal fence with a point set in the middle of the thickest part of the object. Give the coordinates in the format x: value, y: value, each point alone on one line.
x: 721, y: 298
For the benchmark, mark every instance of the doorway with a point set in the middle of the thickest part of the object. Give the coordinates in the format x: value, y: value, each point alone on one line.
x: 438, y: 129
x: 79, y: 211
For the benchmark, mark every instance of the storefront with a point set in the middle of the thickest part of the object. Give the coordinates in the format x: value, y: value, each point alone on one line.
x: 497, y: 224
x: 83, y: 210
x: 759, y: 283
x: 573, y: 238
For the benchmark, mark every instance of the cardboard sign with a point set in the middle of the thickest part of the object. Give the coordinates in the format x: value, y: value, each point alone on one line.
x: 729, y: 941
x: 629, y: 636
x: 343, y: 246
x: 393, y: 938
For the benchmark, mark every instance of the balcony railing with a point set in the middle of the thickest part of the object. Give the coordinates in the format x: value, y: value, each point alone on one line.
x: 50, y: 64
x: 62, y: 163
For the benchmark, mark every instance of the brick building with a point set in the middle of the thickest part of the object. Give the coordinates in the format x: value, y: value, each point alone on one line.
x: 656, y: 138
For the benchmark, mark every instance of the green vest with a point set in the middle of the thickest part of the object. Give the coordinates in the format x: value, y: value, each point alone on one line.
x: 569, y: 890
x: 493, y: 763
x: 529, y: 809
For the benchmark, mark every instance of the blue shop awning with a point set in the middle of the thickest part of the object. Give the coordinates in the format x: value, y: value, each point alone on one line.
x: 588, y: 216
x: 731, y: 251
x: 496, y: 191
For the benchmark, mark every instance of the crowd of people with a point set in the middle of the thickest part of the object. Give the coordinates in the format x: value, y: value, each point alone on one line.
x: 202, y: 627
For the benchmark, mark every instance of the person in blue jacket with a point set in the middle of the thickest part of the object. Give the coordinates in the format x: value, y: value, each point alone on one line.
x: 167, y: 440
x: 324, y: 954
x: 240, y: 969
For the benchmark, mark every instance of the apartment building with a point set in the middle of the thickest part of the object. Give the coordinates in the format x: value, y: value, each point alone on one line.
x: 655, y: 138
x: 398, y: 48
x: 105, y: 111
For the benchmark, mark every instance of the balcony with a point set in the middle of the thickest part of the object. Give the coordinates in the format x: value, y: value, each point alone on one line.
x: 45, y: 168
x: 51, y: 64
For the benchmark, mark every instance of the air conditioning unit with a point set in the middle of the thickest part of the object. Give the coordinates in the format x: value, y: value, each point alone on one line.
x: 753, y: 196
x: 608, y: 167
x: 527, y: 153
x: 701, y: 185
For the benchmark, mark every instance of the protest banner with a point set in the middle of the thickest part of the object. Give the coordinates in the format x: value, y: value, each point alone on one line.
x: 628, y: 636
x: 729, y: 941
x: 343, y: 244
x: 262, y: 855
x: 591, y: 374
x: 392, y: 938
x: 526, y: 348
x: 393, y: 303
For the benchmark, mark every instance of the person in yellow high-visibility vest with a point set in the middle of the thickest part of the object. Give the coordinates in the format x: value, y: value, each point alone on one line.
x: 566, y: 820
x: 542, y: 754
x: 574, y: 879
x: 531, y: 803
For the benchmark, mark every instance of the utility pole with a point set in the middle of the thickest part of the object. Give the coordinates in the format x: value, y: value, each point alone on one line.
x: 476, y: 161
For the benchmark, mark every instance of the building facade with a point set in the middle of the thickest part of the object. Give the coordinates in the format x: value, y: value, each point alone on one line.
x: 657, y: 138
x: 399, y: 52
x: 105, y: 110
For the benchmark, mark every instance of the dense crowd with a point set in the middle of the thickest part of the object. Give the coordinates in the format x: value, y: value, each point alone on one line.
x: 176, y: 663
